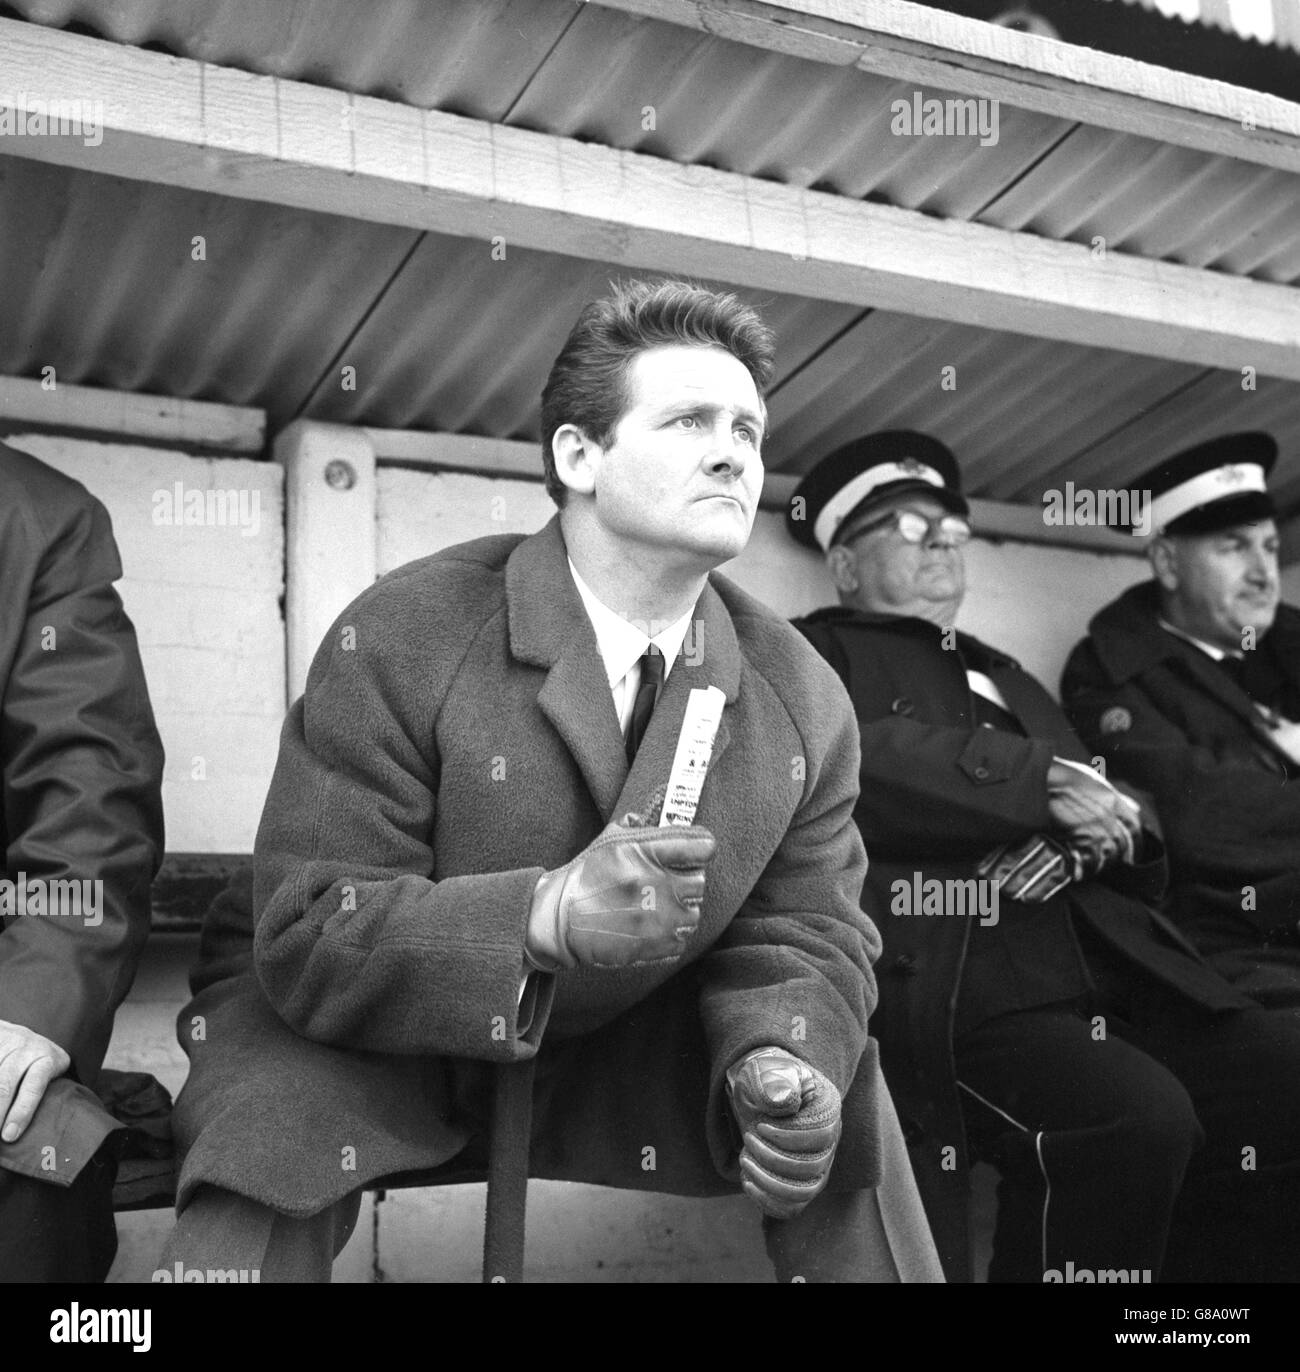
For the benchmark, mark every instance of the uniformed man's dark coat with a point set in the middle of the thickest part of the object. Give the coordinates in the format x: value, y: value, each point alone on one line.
x: 1170, y: 719
x: 938, y: 792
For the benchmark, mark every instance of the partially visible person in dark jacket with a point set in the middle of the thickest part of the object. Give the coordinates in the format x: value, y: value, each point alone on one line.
x: 82, y: 831
x: 1189, y: 686
x: 1034, y: 1009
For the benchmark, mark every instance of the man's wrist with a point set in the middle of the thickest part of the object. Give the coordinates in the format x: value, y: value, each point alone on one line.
x: 541, y: 937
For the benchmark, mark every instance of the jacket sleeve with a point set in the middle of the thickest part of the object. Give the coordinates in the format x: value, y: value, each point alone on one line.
x: 82, y: 790
x: 967, y: 789
x: 357, y: 942
x: 1228, y: 820
x: 794, y: 967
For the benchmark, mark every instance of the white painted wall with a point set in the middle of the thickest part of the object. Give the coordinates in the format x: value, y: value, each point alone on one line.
x: 1030, y: 600
x: 1291, y: 583
x: 205, y: 602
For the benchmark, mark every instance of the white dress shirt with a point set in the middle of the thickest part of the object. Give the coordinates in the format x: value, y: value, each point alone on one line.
x: 1218, y: 654
x: 985, y: 686
x: 623, y: 641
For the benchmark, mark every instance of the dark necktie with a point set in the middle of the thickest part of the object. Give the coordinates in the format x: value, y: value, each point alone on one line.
x: 652, y: 675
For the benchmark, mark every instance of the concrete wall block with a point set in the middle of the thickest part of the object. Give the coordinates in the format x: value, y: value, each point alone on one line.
x: 159, y: 541
x: 216, y: 778
x: 418, y: 513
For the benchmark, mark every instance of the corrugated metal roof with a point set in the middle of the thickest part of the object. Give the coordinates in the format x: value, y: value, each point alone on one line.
x: 470, y: 56
x: 587, y: 72
x: 98, y: 278
x: 445, y: 338
x: 1165, y: 202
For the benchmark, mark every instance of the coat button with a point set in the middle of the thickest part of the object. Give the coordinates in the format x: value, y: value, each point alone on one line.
x: 981, y: 774
x: 905, y: 964
x: 902, y: 706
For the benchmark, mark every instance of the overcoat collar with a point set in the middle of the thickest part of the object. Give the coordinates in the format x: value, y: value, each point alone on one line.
x: 1129, y: 641
x: 549, y: 628
x: 981, y: 654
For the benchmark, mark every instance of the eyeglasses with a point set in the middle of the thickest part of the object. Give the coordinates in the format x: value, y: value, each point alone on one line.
x: 916, y: 528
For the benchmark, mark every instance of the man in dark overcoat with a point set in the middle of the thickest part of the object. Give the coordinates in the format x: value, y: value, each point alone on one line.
x: 1034, y: 1012
x: 1189, y: 686
x: 82, y: 834
x: 459, y: 862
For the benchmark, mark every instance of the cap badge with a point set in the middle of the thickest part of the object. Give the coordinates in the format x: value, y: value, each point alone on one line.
x: 1116, y: 720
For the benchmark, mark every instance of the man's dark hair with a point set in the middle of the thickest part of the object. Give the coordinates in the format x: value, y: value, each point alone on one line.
x: 587, y: 386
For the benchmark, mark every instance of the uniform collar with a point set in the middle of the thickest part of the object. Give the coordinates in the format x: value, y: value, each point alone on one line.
x: 1211, y: 650
x: 967, y: 644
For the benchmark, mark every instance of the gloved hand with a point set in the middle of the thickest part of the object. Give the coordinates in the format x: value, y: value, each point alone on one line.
x: 1033, y: 870
x: 631, y: 896
x: 1036, y: 868
x: 789, y: 1120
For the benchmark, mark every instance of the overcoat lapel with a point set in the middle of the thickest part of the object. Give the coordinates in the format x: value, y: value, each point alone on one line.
x: 1037, y: 715
x: 1212, y: 679
x: 549, y: 628
x: 1204, y: 674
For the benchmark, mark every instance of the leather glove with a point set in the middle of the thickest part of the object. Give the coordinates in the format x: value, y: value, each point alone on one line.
x: 632, y: 896
x: 1033, y: 870
x: 789, y: 1120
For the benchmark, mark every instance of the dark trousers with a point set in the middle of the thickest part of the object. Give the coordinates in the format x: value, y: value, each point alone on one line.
x: 1171, y: 1144
x: 54, y: 1233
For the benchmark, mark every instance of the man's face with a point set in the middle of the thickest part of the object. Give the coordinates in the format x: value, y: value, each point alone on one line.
x: 1218, y: 584
x: 879, y: 571
x: 682, y: 473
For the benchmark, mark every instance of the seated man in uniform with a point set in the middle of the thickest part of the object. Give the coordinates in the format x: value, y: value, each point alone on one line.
x: 1034, y: 1011
x: 82, y: 835
x: 1189, y: 686
x: 461, y: 862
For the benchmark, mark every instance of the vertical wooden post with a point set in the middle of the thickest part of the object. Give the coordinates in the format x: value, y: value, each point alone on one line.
x: 329, y: 491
